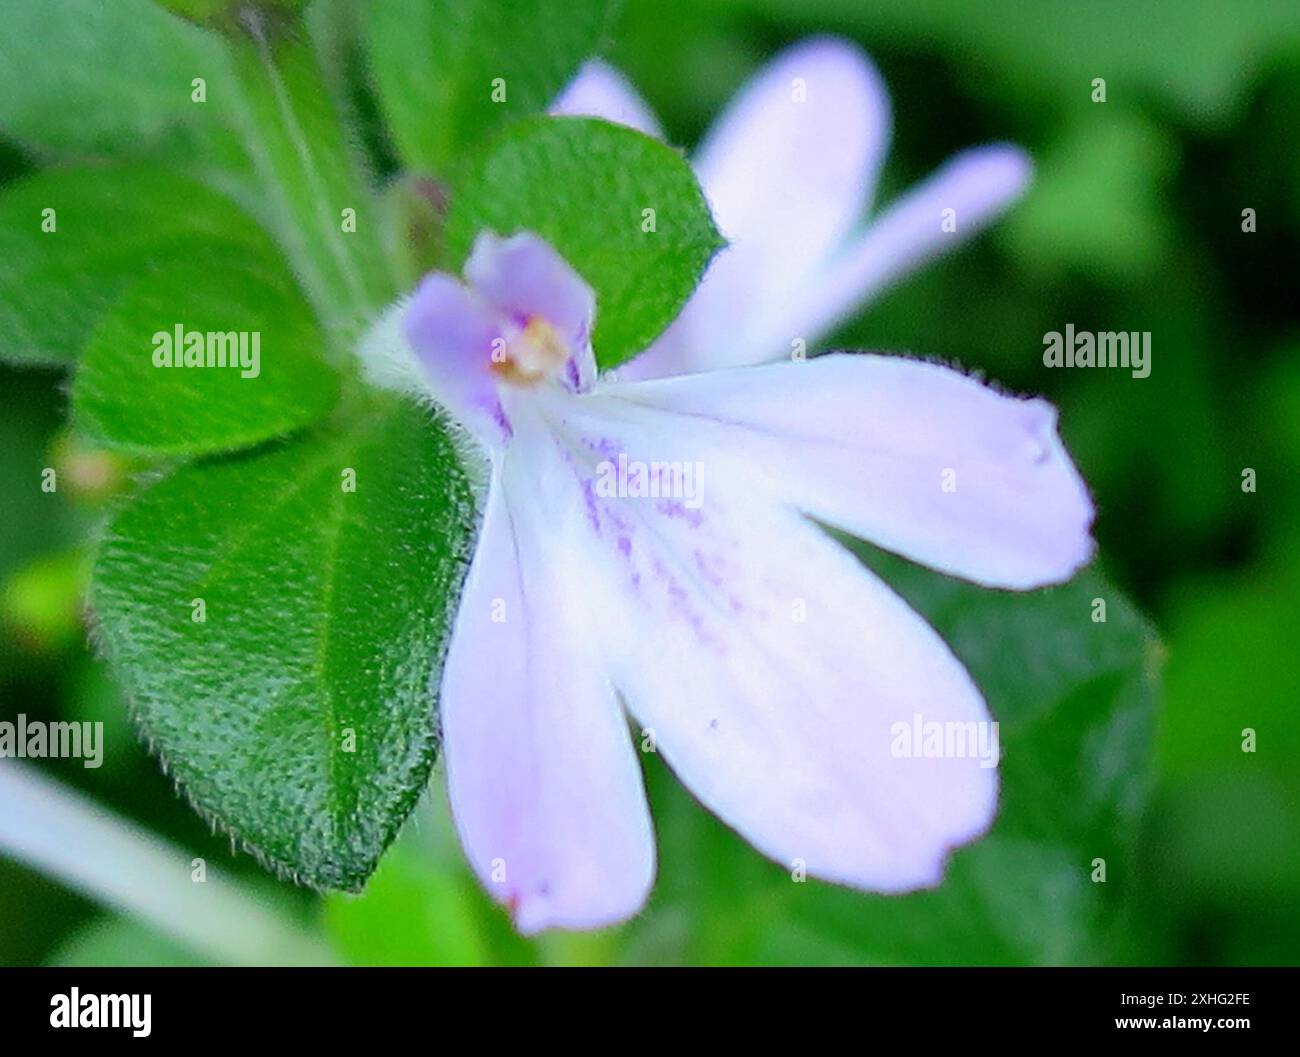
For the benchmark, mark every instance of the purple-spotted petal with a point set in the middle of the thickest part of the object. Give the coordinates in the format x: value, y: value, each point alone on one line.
x: 599, y: 90
x: 544, y: 783
x: 773, y: 672
x: 452, y: 333
x: 915, y: 457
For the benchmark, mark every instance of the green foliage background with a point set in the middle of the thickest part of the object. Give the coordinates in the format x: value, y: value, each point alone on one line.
x: 1134, y: 223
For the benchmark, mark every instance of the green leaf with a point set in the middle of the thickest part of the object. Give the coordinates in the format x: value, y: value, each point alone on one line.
x: 1075, y: 701
x: 258, y: 371
x: 1231, y: 680
x: 438, y: 64
x: 81, y: 78
x: 298, y: 714
x: 586, y: 186
x: 249, y: 113
x: 109, y: 224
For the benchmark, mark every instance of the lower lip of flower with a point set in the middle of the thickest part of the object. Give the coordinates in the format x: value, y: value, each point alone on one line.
x: 531, y: 356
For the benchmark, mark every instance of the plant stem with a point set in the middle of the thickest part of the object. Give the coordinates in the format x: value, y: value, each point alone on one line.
x: 114, y: 862
x: 300, y: 153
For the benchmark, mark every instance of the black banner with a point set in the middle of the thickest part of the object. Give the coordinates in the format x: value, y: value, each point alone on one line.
x: 866, y: 1007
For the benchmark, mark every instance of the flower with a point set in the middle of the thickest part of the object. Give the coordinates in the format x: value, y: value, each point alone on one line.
x: 771, y: 668
x: 788, y: 170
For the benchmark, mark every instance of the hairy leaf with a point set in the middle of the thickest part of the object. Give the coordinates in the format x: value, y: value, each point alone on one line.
x: 297, y: 713
x: 623, y: 209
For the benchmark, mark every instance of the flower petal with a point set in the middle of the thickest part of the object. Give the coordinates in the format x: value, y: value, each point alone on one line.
x: 774, y: 671
x: 544, y: 782
x: 599, y: 90
x: 451, y: 332
x: 788, y: 169
x: 915, y: 457
x: 977, y: 185
x: 525, y: 277
x: 791, y: 163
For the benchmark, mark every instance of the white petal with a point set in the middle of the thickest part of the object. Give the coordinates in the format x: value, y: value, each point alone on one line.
x: 772, y: 670
x: 544, y: 783
x: 977, y: 185
x: 792, y: 162
x: 599, y: 90
x: 788, y: 169
x: 915, y: 457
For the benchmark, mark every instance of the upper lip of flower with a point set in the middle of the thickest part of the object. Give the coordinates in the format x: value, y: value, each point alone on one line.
x: 788, y: 168
x: 521, y: 319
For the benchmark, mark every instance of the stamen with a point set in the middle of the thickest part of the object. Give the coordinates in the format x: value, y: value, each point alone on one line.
x: 535, y: 354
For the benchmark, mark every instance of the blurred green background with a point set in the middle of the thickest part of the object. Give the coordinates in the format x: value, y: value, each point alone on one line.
x: 1134, y: 223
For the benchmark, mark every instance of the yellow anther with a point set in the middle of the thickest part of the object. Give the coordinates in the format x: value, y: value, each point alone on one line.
x: 536, y: 353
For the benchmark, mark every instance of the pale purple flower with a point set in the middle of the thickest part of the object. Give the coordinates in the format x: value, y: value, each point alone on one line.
x: 789, y: 170
x: 768, y: 666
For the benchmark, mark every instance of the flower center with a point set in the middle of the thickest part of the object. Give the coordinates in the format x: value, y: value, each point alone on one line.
x: 532, y: 355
